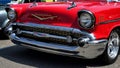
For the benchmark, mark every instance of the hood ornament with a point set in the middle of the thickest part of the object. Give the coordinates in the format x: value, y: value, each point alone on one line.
x: 43, y: 18
x: 73, y: 4
x: 34, y: 4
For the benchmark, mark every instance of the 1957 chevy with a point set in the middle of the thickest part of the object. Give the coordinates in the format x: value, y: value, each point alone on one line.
x: 77, y: 28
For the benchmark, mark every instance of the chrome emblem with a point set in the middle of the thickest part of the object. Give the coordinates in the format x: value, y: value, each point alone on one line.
x: 69, y: 39
x: 42, y: 35
x: 43, y: 18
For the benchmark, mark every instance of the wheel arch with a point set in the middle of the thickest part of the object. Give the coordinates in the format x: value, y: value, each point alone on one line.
x: 117, y: 28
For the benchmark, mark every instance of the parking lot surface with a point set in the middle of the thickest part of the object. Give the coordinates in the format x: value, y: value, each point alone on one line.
x: 15, y: 56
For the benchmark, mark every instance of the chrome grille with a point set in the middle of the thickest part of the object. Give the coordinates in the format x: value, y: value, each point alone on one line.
x: 43, y: 30
x: 56, y: 34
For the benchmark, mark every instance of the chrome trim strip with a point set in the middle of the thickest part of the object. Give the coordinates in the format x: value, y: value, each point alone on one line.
x: 110, y: 21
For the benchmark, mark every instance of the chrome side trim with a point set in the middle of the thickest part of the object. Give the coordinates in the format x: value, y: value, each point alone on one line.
x: 110, y: 21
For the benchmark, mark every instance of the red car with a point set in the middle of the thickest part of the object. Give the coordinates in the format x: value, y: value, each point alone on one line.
x: 77, y: 28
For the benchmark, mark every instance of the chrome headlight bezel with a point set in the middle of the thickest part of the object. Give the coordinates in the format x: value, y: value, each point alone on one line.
x: 11, y: 13
x: 86, y: 19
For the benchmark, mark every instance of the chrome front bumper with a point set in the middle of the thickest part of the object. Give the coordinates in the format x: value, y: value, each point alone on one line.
x: 88, y: 47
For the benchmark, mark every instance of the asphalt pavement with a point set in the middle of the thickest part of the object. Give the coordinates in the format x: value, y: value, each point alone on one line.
x: 15, y: 56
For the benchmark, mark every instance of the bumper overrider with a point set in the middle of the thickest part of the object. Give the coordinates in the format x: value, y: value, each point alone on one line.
x: 56, y: 39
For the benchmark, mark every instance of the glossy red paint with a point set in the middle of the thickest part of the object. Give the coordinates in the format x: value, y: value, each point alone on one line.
x: 107, y: 15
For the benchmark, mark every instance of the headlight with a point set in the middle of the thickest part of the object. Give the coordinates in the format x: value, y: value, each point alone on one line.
x: 86, y: 19
x: 11, y: 14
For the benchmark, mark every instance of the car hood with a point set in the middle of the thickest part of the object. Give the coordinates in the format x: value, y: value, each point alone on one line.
x: 56, y: 13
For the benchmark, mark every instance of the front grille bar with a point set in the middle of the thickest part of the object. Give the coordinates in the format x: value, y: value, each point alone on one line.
x: 48, y: 33
x: 46, y: 37
x: 54, y: 30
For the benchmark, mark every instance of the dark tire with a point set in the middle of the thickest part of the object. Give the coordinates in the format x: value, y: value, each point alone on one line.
x: 3, y: 35
x: 112, y: 49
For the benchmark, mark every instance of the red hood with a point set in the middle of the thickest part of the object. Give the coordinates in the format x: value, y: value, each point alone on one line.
x: 48, y: 13
x: 57, y: 13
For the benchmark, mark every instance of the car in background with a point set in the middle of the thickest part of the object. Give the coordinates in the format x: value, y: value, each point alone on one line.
x: 78, y: 28
x: 3, y: 15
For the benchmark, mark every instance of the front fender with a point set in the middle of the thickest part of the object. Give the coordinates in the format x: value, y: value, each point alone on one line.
x: 102, y: 31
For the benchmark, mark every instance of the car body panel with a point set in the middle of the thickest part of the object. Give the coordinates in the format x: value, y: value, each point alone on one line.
x: 63, y: 16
